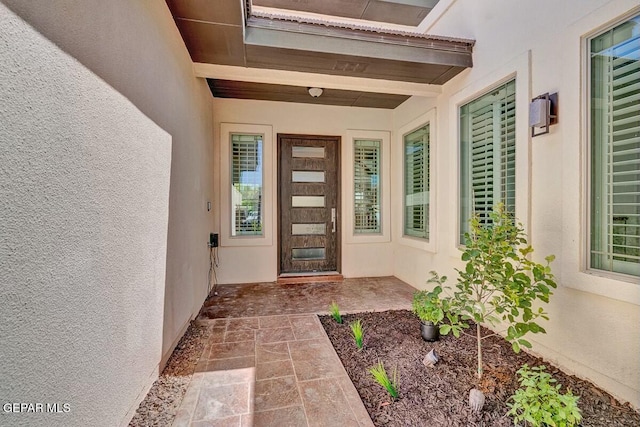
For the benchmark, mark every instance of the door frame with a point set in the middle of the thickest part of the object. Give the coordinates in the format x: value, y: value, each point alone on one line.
x: 338, y: 141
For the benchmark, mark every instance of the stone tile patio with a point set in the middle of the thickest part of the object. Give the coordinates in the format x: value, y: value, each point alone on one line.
x: 268, y: 361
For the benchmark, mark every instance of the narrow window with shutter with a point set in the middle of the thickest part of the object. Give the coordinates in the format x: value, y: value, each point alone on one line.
x: 416, y: 183
x: 615, y: 149
x: 487, y: 155
x: 366, y: 186
x: 246, y: 185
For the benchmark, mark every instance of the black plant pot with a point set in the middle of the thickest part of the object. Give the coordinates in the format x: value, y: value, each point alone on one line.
x: 429, y: 331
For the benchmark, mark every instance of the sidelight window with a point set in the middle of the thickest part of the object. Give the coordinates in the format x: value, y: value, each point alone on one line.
x: 246, y: 185
x: 366, y: 186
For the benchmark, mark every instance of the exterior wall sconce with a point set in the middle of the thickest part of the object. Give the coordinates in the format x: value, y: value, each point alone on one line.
x: 543, y: 112
x: 315, y: 91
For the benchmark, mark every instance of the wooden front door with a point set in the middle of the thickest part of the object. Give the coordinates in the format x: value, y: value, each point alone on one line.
x: 309, y: 208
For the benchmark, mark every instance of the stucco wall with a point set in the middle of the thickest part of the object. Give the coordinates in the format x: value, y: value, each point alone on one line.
x: 105, y: 170
x: 260, y: 263
x: 594, y: 319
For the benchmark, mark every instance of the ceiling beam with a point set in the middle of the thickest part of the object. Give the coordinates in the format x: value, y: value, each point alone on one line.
x: 343, y: 41
x: 295, y: 78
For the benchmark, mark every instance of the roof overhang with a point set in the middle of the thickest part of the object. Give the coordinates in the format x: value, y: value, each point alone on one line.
x: 229, y: 43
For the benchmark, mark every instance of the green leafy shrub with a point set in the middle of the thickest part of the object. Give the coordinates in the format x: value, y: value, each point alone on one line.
x: 539, y: 402
x: 335, y: 312
x: 380, y: 375
x: 499, y: 284
x: 427, y: 305
x: 358, y: 332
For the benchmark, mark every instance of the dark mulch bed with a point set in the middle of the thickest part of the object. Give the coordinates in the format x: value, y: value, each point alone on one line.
x: 438, y: 396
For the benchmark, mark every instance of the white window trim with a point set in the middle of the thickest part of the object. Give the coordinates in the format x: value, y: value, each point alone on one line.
x: 266, y: 239
x: 424, y: 244
x: 573, y: 265
x: 586, y: 75
x: 517, y: 69
x: 348, y: 196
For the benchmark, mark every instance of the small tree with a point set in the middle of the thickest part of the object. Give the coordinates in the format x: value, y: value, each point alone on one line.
x: 499, y: 283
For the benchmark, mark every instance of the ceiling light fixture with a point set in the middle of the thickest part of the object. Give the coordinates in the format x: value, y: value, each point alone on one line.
x: 315, y: 91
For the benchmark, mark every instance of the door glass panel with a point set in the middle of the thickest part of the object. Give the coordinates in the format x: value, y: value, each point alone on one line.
x: 302, y: 229
x: 307, y: 253
x: 307, y: 201
x: 307, y: 176
x: 314, y: 152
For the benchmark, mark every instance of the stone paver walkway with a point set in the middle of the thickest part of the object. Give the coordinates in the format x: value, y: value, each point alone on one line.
x: 281, y: 370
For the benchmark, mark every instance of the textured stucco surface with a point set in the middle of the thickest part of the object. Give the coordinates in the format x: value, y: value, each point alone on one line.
x: 593, y: 327
x: 136, y: 48
x: 246, y: 264
x: 104, y: 161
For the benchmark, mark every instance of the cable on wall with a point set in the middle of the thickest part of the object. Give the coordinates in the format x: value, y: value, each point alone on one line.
x: 212, y: 279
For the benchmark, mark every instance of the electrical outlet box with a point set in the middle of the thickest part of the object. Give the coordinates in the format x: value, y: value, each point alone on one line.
x: 213, y: 240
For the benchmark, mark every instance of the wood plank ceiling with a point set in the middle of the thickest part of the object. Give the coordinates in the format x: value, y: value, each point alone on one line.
x: 224, y: 32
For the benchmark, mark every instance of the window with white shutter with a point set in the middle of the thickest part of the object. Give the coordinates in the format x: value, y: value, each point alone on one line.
x: 366, y: 186
x: 487, y: 154
x: 615, y: 149
x: 416, y: 183
x: 246, y: 185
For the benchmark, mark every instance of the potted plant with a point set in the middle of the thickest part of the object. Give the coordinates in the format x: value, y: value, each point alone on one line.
x: 429, y: 308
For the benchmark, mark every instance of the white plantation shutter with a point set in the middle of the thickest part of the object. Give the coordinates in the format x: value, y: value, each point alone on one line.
x: 246, y: 182
x: 366, y: 183
x: 483, y: 160
x: 416, y: 183
x: 487, y: 155
x: 508, y: 152
x: 615, y: 149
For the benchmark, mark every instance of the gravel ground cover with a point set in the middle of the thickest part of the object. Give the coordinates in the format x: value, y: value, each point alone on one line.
x: 161, y: 404
x: 438, y: 396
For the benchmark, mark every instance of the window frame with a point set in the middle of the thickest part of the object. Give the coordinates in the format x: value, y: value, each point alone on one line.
x: 406, y: 230
x: 226, y: 181
x: 588, y: 145
x: 472, y: 99
x: 348, y: 194
x: 378, y: 187
x: 572, y: 257
x: 259, y: 162
x: 518, y: 68
x: 429, y: 244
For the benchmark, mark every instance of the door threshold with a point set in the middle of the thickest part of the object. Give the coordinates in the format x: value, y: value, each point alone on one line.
x: 310, y: 277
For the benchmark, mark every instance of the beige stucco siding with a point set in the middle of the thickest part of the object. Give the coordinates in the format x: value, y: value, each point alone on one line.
x: 105, y: 166
x: 593, y: 331
x: 594, y: 317
x: 259, y: 262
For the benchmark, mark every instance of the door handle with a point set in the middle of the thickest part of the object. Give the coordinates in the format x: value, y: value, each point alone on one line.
x: 333, y: 220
